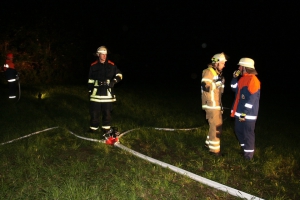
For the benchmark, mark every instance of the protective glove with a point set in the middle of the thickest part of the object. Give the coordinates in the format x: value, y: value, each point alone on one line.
x: 236, y: 73
x: 220, y: 81
x: 112, y: 83
x: 219, y: 84
x: 242, y: 117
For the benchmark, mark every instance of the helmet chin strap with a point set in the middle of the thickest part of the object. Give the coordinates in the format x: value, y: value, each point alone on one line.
x: 215, y: 66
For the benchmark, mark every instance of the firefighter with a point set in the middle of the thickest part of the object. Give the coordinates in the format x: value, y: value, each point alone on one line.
x: 11, y: 76
x: 246, y: 104
x: 103, y: 75
x: 212, y: 87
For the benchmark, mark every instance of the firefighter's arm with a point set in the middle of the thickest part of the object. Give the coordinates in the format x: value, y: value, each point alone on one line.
x: 205, y: 86
x: 234, y: 84
x: 91, y: 81
x: 90, y: 84
x: 206, y: 81
x: 118, y: 76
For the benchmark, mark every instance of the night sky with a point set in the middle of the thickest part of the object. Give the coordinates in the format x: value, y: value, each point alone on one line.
x: 166, y: 39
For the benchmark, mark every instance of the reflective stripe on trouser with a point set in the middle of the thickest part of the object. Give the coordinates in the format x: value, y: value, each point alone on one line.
x: 12, y: 86
x: 245, y: 133
x: 214, y: 118
x: 98, y: 109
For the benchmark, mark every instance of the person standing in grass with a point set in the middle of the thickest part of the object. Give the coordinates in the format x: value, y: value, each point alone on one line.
x: 11, y: 75
x: 103, y: 75
x: 212, y: 87
x: 246, y: 104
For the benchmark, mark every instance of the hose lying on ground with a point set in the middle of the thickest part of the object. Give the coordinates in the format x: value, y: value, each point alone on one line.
x: 193, y: 176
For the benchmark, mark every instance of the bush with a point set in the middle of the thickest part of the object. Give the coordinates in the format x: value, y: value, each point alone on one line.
x: 42, y: 54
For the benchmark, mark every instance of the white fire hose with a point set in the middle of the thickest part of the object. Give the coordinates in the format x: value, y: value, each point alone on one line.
x: 193, y: 176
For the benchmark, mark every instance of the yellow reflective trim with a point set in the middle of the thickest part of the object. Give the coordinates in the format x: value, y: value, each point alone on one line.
x: 103, y: 100
x: 91, y: 81
x: 214, y: 142
x: 120, y: 75
x: 101, y: 97
x: 94, y: 92
x: 109, y: 92
x: 213, y: 147
x: 211, y: 107
x: 213, y: 71
x: 93, y: 128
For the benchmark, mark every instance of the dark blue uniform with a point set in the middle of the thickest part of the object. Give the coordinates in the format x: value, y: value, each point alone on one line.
x: 101, y: 77
x: 12, y: 78
x: 247, y: 94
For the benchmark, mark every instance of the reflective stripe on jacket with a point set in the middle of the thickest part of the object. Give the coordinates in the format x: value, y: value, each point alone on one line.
x: 11, y: 74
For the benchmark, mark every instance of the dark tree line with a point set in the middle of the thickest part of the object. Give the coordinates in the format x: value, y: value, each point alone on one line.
x: 43, y: 53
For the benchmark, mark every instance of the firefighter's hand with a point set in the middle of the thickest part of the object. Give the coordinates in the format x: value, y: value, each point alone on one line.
x: 236, y: 73
x: 242, y: 117
x: 223, y: 79
x: 220, y: 81
x: 112, y: 83
x: 219, y: 84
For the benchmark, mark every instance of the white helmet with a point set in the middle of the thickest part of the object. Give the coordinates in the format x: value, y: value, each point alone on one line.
x: 219, y: 57
x: 247, y: 62
x: 101, y: 50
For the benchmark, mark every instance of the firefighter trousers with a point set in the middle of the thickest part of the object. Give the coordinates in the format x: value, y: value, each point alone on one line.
x: 12, y: 87
x: 96, y: 111
x: 245, y: 133
x: 215, y: 121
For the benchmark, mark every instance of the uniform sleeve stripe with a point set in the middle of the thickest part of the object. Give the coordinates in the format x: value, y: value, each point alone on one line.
x: 247, y: 105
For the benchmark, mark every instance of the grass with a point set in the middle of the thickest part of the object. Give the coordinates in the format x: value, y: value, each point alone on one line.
x: 57, y: 165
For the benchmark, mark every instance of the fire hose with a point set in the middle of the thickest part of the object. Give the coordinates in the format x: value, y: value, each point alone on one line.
x: 191, y: 175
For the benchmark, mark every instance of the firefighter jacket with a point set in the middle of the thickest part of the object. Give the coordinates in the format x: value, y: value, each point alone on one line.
x: 10, y: 72
x: 101, y: 75
x: 212, y: 87
x: 247, y: 94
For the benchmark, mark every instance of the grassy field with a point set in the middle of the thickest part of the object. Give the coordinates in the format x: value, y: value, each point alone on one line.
x: 57, y: 165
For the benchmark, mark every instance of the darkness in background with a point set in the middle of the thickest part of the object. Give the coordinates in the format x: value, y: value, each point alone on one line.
x: 161, y: 41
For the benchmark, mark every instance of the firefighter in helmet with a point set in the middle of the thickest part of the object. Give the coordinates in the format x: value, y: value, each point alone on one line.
x: 212, y: 87
x: 11, y: 76
x: 103, y: 75
x: 246, y: 86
